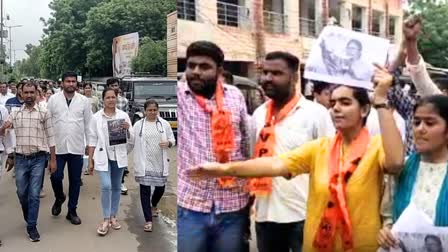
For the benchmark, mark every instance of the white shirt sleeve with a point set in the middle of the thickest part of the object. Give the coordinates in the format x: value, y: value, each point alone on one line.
x: 421, y: 79
x: 325, y: 127
x: 92, y: 133
x: 87, y: 118
x: 170, y: 134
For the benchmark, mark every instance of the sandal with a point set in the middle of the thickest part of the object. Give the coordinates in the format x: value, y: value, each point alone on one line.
x: 114, y: 224
x: 148, y: 227
x: 155, y: 212
x: 103, y: 229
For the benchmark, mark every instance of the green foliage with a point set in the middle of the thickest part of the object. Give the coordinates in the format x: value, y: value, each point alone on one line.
x: 151, y: 57
x: 118, y: 17
x: 433, y: 44
x: 78, y: 36
x: 31, y: 65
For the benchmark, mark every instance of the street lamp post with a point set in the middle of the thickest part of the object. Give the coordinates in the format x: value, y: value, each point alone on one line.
x: 10, y: 41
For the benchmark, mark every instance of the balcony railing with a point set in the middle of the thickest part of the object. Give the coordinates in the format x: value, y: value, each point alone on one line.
x: 359, y: 29
x: 275, y: 22
x: 308, y: 27
x: 233, y: 15
x: 186, y: 9
x: 376, y: 33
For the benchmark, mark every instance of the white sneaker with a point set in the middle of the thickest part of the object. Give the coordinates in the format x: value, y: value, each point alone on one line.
x: 124, y: 189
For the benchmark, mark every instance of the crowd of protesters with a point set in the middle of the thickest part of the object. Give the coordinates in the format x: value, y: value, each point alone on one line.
x: 46, y: 125
x: 333, y: 173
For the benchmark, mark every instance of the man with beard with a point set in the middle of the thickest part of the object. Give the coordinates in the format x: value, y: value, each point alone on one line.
x: 34, y: 138
x: 285, y: 122
x: 212, y: 213
x: 71, y: 114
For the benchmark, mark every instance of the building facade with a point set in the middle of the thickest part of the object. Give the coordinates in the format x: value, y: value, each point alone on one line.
x: 246, y: 29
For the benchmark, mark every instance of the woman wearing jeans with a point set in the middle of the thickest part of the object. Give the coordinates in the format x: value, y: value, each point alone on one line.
x: 153, y: 136
x: 109, y: 156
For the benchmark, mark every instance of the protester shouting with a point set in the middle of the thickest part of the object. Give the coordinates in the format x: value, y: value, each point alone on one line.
x: 344, y: 171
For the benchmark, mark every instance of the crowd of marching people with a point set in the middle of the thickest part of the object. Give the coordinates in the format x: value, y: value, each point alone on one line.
x: 333, y: 173
x: 49, y: 126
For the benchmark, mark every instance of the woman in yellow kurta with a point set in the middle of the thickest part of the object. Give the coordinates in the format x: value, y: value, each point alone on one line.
x: 346, y: 172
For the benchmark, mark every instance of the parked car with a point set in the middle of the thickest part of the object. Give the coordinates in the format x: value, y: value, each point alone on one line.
x: 139, y: 88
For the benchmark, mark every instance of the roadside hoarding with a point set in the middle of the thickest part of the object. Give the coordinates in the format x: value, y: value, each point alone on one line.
x: 124, y: 49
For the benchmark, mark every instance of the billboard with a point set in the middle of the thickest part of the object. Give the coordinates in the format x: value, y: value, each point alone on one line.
x: 124, y: 48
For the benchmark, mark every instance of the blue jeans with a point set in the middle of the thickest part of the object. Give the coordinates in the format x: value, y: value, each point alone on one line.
x: 29, y: 174
x: 281, y: 237
x: 74, y: 163
x: 207, y: 232
x: 110, y: 189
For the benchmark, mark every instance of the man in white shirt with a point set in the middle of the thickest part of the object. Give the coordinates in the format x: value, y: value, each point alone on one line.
x: 281, y: 211
x: 4, y: 95
x: 321, y: 93
x: 71, y: 114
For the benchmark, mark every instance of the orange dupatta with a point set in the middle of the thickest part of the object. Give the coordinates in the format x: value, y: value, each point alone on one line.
x: 222, y: 130
x: 266, y: 144
x: 336, y: 214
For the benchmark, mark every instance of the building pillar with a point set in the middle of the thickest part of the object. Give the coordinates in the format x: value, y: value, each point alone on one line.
x: 369, y: 17
x: 345, y: 14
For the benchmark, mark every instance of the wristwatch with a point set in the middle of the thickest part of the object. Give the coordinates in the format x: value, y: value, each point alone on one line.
x: 383, y: 105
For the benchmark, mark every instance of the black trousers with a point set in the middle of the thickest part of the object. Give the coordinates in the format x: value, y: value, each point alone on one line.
x: 279, y: 237
x: 147, y: 202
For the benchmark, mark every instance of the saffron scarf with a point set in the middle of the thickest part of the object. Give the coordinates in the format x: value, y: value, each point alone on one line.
x: 223, y: 142
x: 405, y: 186
x: 336, y: 213
x: 266, y: 143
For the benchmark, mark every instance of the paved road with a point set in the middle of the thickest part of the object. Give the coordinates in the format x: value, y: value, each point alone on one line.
x: 57, y: 234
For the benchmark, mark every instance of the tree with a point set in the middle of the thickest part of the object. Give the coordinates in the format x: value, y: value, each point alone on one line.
x: 433, y: 44
x: 113, y: 18
x: 63, y: 44
x: 78, y: 35
x: 31, y: 65
x: 151, y: 57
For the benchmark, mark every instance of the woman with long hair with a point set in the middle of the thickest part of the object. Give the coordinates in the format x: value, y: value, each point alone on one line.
x: 346, y: 171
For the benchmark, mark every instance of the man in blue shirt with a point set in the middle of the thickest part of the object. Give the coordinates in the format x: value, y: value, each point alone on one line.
x: 15, y: 102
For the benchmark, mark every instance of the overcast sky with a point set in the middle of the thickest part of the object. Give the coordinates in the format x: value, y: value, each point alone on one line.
x: 26, y: 13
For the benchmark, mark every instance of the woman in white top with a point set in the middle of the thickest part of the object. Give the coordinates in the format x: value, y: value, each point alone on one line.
x: 423, y: 183
x: 110, y: 135
x: 153, y: 135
